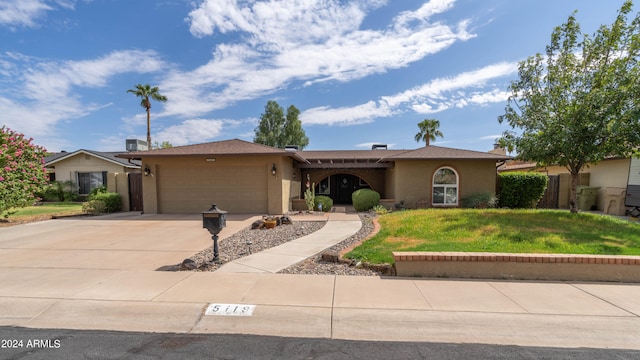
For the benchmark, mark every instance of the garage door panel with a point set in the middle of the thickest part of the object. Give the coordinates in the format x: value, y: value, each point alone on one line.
x: 189, y: 189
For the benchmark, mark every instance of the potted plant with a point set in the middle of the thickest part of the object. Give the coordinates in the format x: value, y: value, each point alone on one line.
x: 270, y: 222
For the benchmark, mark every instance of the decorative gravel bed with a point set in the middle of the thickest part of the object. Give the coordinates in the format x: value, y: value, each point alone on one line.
x: 316, y: 266
x: 235, y: 247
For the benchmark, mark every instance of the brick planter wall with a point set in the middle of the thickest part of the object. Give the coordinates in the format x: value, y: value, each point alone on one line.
x: 518, y: 266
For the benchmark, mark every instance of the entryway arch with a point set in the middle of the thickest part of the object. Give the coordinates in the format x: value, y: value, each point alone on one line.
x: 339, y: 186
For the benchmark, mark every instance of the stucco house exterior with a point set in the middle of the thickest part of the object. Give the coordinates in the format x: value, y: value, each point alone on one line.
x: 88, y: 169
x: 610, y: 176
x: 244, y: 177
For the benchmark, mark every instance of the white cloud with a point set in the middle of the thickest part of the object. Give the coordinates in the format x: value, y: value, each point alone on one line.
x: 277, y: 22
x: 491, y: 137
x: 309, y: 41
x: 424, y: 12
x: 40, y: 93
x: 54, y: 80
x: 438, y: 91
x: 26, y: 12
x: 190, y: 132
x: 465, y: 89
x: 360, y: 114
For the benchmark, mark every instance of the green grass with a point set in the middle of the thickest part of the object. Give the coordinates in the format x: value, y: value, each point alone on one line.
x: 508, y: 231
x: 46, y: 209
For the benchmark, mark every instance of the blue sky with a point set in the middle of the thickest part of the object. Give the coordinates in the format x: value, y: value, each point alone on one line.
x: 360, y: 72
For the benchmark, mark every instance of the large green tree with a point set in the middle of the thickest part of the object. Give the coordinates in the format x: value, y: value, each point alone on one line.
x: 22, y: 173
x: 277, y: 130
x: 145, y: 92
x: 579, y: 103
x: 429, y: 131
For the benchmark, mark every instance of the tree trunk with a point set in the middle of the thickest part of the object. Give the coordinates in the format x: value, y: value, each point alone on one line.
x: 573, y: 193
x: 148, y: 129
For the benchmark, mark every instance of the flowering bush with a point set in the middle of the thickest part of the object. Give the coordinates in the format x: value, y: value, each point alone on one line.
x: 22, y: 172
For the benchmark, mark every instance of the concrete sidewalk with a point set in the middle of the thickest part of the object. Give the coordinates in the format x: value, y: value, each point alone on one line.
x: 341, y: 307
x: 98, y: 274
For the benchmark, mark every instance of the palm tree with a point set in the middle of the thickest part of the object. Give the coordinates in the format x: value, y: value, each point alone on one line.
x: 428, y: 131
x: 145, y: 92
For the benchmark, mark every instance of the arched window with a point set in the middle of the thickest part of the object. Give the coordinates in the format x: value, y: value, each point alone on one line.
x: 445, y: 187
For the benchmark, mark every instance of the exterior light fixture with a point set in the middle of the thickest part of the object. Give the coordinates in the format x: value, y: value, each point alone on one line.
x: 147, y: 171
x: 273, y: 170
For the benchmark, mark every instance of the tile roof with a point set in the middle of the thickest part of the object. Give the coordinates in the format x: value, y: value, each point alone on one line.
x: 224, y: 147
x: 439, y: 152
x: 349, y: 154
x: 241, y: 147
x: 518, y: 165
x: 107, y: 156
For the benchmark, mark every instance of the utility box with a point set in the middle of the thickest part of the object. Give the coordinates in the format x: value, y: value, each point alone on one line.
x: 614, y: 201
x: 587, y: 197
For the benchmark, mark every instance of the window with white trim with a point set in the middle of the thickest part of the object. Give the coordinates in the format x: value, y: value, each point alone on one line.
x: 445, y: 187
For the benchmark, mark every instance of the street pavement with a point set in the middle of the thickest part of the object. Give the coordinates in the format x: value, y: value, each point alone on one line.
x: 95, y: 344
x: 100, y: 274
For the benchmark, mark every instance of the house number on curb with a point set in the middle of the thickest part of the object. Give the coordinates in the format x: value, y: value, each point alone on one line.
x: 230, y: 309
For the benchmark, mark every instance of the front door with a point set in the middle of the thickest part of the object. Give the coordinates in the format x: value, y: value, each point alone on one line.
x: 345, y: 185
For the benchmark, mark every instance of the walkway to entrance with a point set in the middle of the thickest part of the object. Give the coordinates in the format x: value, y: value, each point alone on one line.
x: 339, y: 227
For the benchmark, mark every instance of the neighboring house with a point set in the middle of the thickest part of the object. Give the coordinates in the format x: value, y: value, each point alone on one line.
x: 88, y: 170
x: 244, y: 177
x: 612, y: 174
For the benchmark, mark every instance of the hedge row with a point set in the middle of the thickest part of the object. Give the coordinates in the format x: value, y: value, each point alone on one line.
x: 521, y: 189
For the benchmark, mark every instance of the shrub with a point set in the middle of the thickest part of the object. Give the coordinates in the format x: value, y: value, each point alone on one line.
x: 326, y: 202
x: 60, y: 191
x: 522, y: 189
x: 309, y: 197
x: 365, y: 199
x: 21, y: 172
x: 380, y: 210
x: 481, y: 200
x: 112, y: 201
x: 98, y: 190
x: 93, y: 207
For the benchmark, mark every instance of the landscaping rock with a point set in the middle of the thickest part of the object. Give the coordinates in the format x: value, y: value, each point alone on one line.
x: 330, y: 256
x: 188, y: 264
x: 258, y: 224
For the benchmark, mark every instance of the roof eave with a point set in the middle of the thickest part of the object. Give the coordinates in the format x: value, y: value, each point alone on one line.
x: 92, y: 153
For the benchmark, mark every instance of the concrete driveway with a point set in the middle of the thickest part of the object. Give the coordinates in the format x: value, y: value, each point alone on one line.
x: 99, y: 273
x: 122, y: 241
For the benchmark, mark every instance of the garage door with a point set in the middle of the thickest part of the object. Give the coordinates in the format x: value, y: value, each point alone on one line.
x: 191, y: 189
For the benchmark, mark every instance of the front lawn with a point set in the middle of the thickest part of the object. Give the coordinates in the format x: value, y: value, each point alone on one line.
x: 500, y: 230
x: 42, y: 212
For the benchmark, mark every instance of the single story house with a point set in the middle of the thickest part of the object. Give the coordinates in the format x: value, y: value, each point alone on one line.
x: 87, y: 170
x: 244, y: 177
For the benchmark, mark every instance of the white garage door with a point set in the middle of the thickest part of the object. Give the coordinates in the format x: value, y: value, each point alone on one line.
x: 192, y: 189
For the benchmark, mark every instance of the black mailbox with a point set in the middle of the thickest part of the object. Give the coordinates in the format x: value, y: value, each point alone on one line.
x: 214, y: 220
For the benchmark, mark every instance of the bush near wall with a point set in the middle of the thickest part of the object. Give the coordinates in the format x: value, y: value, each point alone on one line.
x: 326, y: 202
x: 93, y: 207
x: 112, y: 201
x: 481, y: 200
x: 365, y: 199
x: 521, y: 189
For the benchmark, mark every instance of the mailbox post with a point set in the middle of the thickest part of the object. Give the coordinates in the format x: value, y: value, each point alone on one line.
x: 214, y: 220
